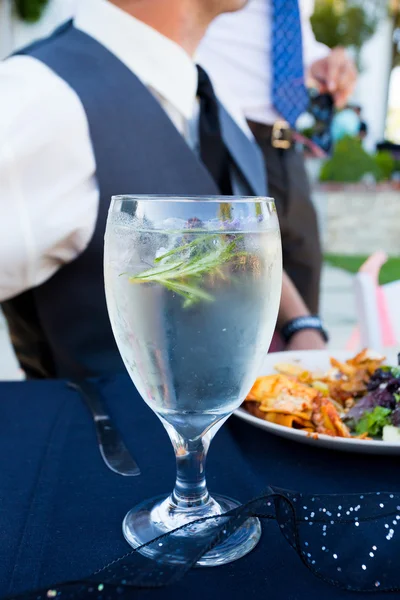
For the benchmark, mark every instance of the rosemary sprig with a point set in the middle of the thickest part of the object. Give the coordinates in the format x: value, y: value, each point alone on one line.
x: 182, y: 269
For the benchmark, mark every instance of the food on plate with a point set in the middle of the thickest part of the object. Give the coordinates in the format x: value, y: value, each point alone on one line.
x: 286, y: 400
x: 356, y: 398
x: 378, y: 411
x: 283, y: 400
x: 345, y: 381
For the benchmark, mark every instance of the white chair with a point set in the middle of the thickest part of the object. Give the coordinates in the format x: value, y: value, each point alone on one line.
x: 378, y: 308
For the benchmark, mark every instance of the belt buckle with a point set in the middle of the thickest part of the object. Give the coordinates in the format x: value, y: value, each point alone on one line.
x: 281, y: 136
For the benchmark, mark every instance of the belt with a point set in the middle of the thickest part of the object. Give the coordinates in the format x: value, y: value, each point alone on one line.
x: 279, y: 134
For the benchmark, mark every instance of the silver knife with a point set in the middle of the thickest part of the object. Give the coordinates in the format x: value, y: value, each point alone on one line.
x: 113, y: 450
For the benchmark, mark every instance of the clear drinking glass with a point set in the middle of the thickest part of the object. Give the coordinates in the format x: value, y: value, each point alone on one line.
x: 193, y: 288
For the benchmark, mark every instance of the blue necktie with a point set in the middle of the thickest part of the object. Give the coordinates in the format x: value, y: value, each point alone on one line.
x: 289, y: 94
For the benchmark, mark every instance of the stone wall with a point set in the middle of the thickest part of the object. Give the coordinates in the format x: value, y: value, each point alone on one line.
x: 357, y: 219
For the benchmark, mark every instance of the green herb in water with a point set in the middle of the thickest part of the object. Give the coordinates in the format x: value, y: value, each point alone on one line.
x: 182, y: 269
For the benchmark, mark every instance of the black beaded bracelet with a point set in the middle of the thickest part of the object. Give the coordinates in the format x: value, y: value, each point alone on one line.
x: 302, y: 323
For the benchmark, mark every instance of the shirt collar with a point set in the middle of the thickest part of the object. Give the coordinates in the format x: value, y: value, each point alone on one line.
x: 157, y: 61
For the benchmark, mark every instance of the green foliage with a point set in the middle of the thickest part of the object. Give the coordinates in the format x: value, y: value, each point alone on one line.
x: 345, y: 22
x: 389, y: 272
x: 349, y: 163
x: 373, y: 422
x: 326, y: 23
x: 386, y: 164
x: 30, y: 10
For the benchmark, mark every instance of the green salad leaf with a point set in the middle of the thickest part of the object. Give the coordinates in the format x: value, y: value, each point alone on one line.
x: 373, y: 422
x: 395, y: 371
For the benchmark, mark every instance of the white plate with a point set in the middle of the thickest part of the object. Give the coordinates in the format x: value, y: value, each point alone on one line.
x: 316, y: 360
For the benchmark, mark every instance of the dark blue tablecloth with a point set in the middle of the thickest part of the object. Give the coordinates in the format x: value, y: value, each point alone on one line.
x: 61, y: 509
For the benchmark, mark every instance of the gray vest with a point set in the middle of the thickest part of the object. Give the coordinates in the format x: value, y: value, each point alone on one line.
x: 61, y: 328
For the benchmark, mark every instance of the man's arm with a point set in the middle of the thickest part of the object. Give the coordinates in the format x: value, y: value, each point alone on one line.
x: 292, y: 306
x: 48, y: 196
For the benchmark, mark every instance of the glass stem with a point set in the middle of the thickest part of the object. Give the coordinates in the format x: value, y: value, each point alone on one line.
x: 190, y: 486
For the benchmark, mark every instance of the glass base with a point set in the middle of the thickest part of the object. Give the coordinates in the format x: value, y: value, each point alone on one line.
x: 158, y: 516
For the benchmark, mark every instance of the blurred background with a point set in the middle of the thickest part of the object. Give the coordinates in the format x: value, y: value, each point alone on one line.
x: 356, y: 188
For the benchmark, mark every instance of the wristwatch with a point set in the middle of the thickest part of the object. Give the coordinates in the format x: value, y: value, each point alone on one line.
x: 301, y: 324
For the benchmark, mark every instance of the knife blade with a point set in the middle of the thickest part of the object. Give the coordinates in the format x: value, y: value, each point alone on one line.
x: 112, y: 449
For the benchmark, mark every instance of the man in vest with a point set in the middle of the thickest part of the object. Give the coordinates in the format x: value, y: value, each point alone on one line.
x: 258, y: 58
x: 111, y: 103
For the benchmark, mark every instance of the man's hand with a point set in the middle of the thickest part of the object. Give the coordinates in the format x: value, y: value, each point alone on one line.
x: 336, y: 74
x: 307, y: 339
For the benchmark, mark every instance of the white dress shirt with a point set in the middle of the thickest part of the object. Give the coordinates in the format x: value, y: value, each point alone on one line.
x: 48, y: 191
x: 236, y: 52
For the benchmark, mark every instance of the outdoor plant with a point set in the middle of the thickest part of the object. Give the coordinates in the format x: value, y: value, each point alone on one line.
x: 30, y: 10
x: 350, y: 163
x: 347, y: 23
x: 386, y: 164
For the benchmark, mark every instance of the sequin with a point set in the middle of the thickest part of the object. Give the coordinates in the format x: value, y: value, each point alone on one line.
x: 374, y: 548
x: 335, y: 556
x: 381, y: 505
x: 371, y: 554
x: 51, y: 593
x: 100, y: 587
x: 377, y: 583
x: 364, y: 568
